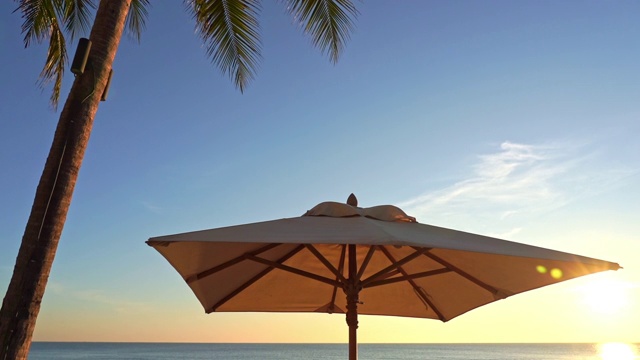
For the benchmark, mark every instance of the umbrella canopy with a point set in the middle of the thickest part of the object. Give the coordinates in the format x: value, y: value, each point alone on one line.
x: 380, y: 258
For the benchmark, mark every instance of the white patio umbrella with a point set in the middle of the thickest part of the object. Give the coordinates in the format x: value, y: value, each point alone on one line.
x: 339, y: 258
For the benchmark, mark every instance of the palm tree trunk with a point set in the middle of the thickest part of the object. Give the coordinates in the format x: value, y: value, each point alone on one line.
x: 53, y: 196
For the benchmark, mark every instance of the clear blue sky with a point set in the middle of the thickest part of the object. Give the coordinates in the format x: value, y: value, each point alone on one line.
x: 515, y: 119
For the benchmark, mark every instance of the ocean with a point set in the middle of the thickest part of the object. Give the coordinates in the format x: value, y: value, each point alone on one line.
x: 166, y: 351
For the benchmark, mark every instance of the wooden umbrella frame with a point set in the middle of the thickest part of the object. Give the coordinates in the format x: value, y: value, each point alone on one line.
x: 351, y: 285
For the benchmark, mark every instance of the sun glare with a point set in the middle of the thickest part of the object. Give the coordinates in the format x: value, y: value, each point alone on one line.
x: 605, y: 296
x: 616, y: 351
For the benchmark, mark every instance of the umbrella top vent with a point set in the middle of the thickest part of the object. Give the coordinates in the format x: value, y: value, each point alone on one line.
x: 350, y: 209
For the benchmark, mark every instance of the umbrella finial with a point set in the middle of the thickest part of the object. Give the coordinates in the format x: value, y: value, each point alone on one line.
x: 352, y: 200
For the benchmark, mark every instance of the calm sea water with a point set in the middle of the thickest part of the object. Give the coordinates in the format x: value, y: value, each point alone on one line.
x: 160, y: 351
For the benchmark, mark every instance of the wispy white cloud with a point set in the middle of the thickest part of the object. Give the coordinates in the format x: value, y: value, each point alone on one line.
x: 520, y: 179
x: 152, y: 208
x: 110, y: 300
x: 508, y: 234
x: 97, y: 297
x: 516, y: 177
x: 55, y: 287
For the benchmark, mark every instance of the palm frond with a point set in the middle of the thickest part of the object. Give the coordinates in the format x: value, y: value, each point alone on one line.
x: 229, y: 29
x: 54, y: 66
x: 77, y: 16
x: 41, y: 22
x: 38, y: 16
x: 137, y: 18
x: 328, y: 22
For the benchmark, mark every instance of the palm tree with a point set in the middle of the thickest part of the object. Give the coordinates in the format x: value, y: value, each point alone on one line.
x: 228, y: 28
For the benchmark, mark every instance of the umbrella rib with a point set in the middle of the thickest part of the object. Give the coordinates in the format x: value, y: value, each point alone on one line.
x: 231, y: 262
x: 422, y: 294
x: 462, y: 273
x: 326, y: 263
x: 365, y: 262
x: 332, y: 304
x: 406, y: 277
x: 395, y: 265
x: 257, y: 277
x: 294, y: 270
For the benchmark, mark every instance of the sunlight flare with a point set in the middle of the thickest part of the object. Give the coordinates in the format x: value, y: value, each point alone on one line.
x: 616, y: 351
x: 605, y: 296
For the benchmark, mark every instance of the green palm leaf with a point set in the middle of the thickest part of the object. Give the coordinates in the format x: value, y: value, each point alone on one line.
x: 229, y: 29
x: 328, y: 22
x: 76, y: 15
x: 53, y: 69
x: 41, y: 23
x: 38, y: 16
x: 137, y: 18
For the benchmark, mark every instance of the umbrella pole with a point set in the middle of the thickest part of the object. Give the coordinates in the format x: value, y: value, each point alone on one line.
x: 352, y: 321
x: 352, y: 290
x: 353, y: 337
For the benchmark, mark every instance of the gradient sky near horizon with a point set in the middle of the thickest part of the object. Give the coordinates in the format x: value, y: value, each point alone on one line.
x: 513, y: 119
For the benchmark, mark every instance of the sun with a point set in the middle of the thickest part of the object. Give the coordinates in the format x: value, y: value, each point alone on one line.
x: 605, y: 296
x: 616, y: 351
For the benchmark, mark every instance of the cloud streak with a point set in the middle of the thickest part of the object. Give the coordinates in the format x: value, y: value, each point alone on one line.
x: 100, y: 298
x: 117, y: 304
x: 519, y: 179
x: 152, y: 208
